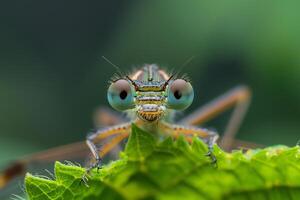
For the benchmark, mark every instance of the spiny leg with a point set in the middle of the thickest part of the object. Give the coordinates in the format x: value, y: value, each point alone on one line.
x: 239, y: 98
x: 210, y: 137
x: 118, y: 133
x: 112, y: 136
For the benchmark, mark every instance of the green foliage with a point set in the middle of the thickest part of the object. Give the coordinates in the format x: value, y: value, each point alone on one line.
x: 151, y: 169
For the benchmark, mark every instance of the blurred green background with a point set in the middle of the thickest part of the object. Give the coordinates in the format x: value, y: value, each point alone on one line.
x: 52, y: 76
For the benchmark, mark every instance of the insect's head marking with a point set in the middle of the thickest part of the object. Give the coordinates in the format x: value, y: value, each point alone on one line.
x: 150, y: 92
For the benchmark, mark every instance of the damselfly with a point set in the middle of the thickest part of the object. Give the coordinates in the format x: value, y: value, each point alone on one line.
x: 150, y: 97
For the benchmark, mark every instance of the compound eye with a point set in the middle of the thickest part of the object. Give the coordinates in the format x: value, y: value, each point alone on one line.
x: 120, y: 95
x: 180, y: 94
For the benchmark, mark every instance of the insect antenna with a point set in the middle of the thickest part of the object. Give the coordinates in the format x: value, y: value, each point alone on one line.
x: 186, y: 62
x: 112, y: 64
x: 167, y: 82
x: 179, y: 70
x: 119, y: 74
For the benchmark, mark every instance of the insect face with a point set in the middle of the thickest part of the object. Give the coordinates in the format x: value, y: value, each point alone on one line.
x: 150, y: 92
x: 150, y: 99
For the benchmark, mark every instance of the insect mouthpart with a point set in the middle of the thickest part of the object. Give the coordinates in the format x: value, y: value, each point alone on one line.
x: 150, y: 106
x: 150, y: 112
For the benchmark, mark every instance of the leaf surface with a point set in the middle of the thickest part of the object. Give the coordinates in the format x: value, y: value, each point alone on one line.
x: 163, y: 170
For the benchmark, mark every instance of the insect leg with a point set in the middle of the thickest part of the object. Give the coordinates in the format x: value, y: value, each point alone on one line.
x: 118, y: 133
x: 239, y: 98
x: 210, y: 137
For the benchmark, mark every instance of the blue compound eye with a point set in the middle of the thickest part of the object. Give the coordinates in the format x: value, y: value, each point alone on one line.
x: 180, y: 94
x: 120, y: 95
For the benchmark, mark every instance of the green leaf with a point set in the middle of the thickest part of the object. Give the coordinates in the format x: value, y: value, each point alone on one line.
x: 67, y: 185
x: 140, y: 144
x: 168, y: 169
